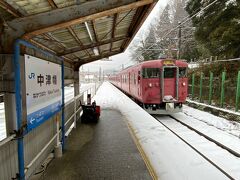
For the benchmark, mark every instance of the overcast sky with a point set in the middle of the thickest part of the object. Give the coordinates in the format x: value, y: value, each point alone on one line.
x: 123, y: 59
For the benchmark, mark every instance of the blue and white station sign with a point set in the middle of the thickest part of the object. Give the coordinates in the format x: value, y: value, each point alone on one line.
x: 43, y: 90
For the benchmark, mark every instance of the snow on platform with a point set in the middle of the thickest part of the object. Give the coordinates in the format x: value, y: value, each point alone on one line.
x: 170, y: 157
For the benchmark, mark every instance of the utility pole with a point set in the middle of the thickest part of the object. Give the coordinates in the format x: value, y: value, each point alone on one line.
x: 179, y: 41
x: 88, y: 76
x: 99, y: 75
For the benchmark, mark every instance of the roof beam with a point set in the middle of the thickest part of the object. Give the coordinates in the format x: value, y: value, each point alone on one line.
x: 52, y: 4
x: 40, y: 45
x: 64, y: 17
x: 84, y: 61
x: 73, y: 33
x: 113, y: 28
x: 61, y: 45
x: 73, y: 50
x: 10, y: 9
x: 50, y: 37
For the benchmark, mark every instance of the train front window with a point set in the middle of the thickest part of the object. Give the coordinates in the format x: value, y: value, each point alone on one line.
x: 151, y: 73
x: 169, y: 72
x: 182, y: 72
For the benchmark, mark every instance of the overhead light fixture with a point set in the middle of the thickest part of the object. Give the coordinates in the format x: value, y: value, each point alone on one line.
x: 95, y: 50
x: 88, y: 30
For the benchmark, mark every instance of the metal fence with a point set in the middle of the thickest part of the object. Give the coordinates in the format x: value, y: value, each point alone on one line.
x: 40, y: 142
x: 221, y: 91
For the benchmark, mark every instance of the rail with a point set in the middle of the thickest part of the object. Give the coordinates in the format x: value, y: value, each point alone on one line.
x: 194, y: 148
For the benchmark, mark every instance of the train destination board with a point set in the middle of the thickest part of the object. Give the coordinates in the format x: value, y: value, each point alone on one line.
x: 43, y: 90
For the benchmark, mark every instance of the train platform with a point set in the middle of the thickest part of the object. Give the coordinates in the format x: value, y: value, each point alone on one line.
x: 129, y: 143
x: 105, y: 150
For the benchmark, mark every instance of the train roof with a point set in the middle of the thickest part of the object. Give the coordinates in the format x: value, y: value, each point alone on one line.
x: 180, y: 62
x: 159, y: 62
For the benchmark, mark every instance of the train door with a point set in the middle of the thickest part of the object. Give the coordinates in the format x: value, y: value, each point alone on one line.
x: 169, y: 83
x: 139, y: 83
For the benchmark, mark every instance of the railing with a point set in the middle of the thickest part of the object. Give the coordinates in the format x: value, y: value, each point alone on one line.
x: 46, y: 137
x: 219, y: 91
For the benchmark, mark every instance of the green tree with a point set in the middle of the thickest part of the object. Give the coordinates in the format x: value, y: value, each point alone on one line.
x: 217, y: 27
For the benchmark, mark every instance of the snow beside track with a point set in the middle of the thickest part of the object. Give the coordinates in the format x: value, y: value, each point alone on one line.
x: 214, y: 107
x: 231, y: 127
x: 171, y: 158
x: 221, y: 157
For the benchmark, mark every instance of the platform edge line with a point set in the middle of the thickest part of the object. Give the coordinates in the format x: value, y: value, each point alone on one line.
x: 142, y: 153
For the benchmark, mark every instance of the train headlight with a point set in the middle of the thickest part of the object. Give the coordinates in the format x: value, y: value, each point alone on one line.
x: 150, y: 84
x: 184, y: 84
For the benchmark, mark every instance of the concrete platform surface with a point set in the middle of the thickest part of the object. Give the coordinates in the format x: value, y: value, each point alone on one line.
x: 100, y: 151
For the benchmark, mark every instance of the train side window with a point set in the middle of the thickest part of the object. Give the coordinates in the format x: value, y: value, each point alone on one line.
x: 182, y: 72
x: 151, y: 73
x: 169, y: 72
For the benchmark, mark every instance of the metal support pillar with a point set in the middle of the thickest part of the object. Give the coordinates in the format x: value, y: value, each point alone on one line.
x: 210, y: 88
x: 179, y: 41
x: 63, y: 109
x: 238, y: 91
x: 76, y: 93
x: 19, y: 99
x: 193, y: 81
x: 58, y: 147
x: 200, y: 91
x: 222, y: 88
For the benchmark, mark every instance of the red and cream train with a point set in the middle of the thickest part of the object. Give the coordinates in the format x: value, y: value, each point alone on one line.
x: 159, y: 86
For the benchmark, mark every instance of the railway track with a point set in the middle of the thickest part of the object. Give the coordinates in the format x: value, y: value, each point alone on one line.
x: 177, y: 127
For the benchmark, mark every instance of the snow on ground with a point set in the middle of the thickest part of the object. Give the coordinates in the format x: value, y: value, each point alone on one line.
x: 170, y: 157
x: 85, y: 87
x: 230, y: 127
x: 68, y: 93
x: 221, y: 135
x: 214, y: 107
x: 2, y: 122
x: 221, y: 157
x: 69, y: 90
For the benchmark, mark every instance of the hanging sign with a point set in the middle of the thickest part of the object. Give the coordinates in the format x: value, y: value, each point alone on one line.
x: 43, y: 90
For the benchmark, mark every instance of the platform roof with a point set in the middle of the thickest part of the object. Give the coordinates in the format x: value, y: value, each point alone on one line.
x: 80, y: 31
